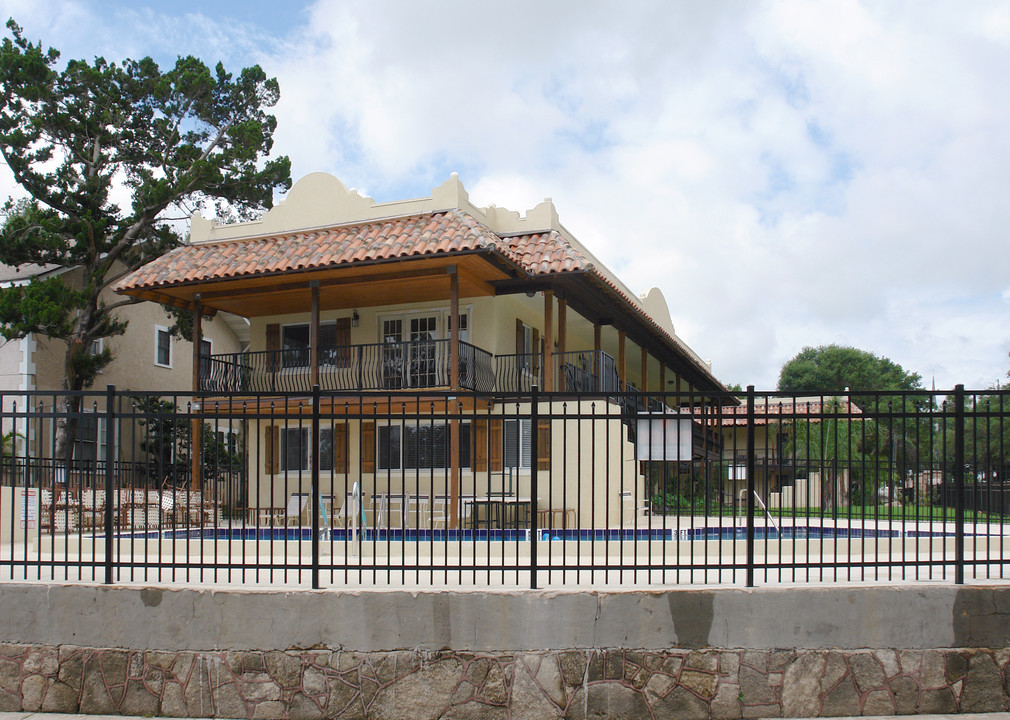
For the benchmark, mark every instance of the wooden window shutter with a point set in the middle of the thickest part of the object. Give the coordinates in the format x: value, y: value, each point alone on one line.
x: 478, y: 440
x: 343, y: 342
x: 519, y: 336
x: 368, y: 446
x: 273, y: 336
x: 340, y: 448
x: 543, y: 444
x: 271, y: 450
x: 496, y: 443
x: 273, y: 346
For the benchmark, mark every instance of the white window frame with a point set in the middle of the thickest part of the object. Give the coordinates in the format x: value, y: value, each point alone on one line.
x: 442, y: 329
x: 97, y: 345
x: 158, y: 329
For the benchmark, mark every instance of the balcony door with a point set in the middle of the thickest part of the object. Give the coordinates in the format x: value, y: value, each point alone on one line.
x: 392, y: 353
x: 423, y: 368
x: 409, y: 350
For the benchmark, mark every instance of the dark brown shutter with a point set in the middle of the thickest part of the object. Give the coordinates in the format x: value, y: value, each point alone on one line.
x: 273, y: 345
x: 272, y: 449
x: 273, y: 337
x: 368, y: 446
x: 543, y: 444
x: 478, y: 439
x: 340, y: 448
x: 343, y: 342
x: 519, y: 336
x: 496, y: 445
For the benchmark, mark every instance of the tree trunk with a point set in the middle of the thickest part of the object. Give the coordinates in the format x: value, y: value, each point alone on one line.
x: 68, y: 406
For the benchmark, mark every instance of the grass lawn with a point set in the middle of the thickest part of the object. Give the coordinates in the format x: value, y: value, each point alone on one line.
x: 910, y: 513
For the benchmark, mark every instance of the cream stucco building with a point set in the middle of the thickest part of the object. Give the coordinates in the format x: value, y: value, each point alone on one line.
x: 360, y: 298
x: 145, y: 359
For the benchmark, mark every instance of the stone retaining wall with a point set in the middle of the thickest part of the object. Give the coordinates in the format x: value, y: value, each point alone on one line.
x: 611, y: 684
x: 946, y: 652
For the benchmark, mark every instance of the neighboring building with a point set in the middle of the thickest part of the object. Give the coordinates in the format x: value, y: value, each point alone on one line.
x: 146, y: 358
x: 787, y: 472
x: 361, y: 296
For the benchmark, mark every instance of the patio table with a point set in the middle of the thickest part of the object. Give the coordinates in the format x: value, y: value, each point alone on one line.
x: 501, y: 511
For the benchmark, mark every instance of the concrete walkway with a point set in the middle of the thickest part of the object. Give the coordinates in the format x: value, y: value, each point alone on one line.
x: 950, y: 716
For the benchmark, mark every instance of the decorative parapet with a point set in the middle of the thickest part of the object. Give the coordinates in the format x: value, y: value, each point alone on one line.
x: 320, y: 200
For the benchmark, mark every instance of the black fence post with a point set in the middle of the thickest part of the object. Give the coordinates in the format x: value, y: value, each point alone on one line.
x: 751, y: 469
x: 110, y: 491
x: 959, y: 484
x: 316, y: 499
x: 534, y: 455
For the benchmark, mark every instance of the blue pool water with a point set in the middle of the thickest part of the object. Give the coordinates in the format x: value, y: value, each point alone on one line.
x: 412, y: 535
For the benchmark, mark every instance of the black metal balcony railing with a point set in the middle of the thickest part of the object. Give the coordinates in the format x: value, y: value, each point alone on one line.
x: 408, y: 365
x: 374, y: 366
x: 587, y: 371
x: 518, y: 372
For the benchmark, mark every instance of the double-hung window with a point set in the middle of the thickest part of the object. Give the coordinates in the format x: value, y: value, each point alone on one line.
x: 518, y: 443
x: 162, y: 347
x: 420, y: 446
x: 90, y: 440
x: 295, y: 344
x: 295, y: 449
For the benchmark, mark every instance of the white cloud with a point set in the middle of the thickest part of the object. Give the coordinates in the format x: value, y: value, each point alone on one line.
x: 789, y: 172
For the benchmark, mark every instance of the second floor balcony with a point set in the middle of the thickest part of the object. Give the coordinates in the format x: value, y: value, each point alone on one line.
x: 416, y: 365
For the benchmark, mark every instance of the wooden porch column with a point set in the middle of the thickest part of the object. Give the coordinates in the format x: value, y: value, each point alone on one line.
x: 196, y: 428
x: 314, y: 335
x: 548, y: 340
x: 597, y: 360
x: 454, y: 386
x: 622, y: 360
x: 453, y: 327
x: 562, y: 336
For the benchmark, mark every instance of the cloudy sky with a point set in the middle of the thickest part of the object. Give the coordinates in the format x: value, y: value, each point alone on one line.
x: 789, y: 173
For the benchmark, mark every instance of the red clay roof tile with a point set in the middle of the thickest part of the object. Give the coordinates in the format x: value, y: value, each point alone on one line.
x: 539, y: 254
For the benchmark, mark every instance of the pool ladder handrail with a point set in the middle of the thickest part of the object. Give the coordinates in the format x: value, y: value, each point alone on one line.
x: 739, y: 504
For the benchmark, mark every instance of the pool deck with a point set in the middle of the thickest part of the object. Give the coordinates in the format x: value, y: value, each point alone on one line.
x: 910, y: 555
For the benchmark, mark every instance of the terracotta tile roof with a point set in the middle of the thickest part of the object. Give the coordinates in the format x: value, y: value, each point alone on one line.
x: 547, y: 253
x: 411, y: 236
x: 767, y: 411
x: 550, y: 253
x: 451, y: 231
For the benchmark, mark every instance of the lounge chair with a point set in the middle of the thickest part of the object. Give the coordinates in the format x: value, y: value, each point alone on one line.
x: 298, y: 505
x: 440, y: 505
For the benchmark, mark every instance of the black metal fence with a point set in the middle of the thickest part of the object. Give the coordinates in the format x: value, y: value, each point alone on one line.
x: 530, y: 489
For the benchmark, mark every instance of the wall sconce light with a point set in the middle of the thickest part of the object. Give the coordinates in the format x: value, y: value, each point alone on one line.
x: 354, y: 318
